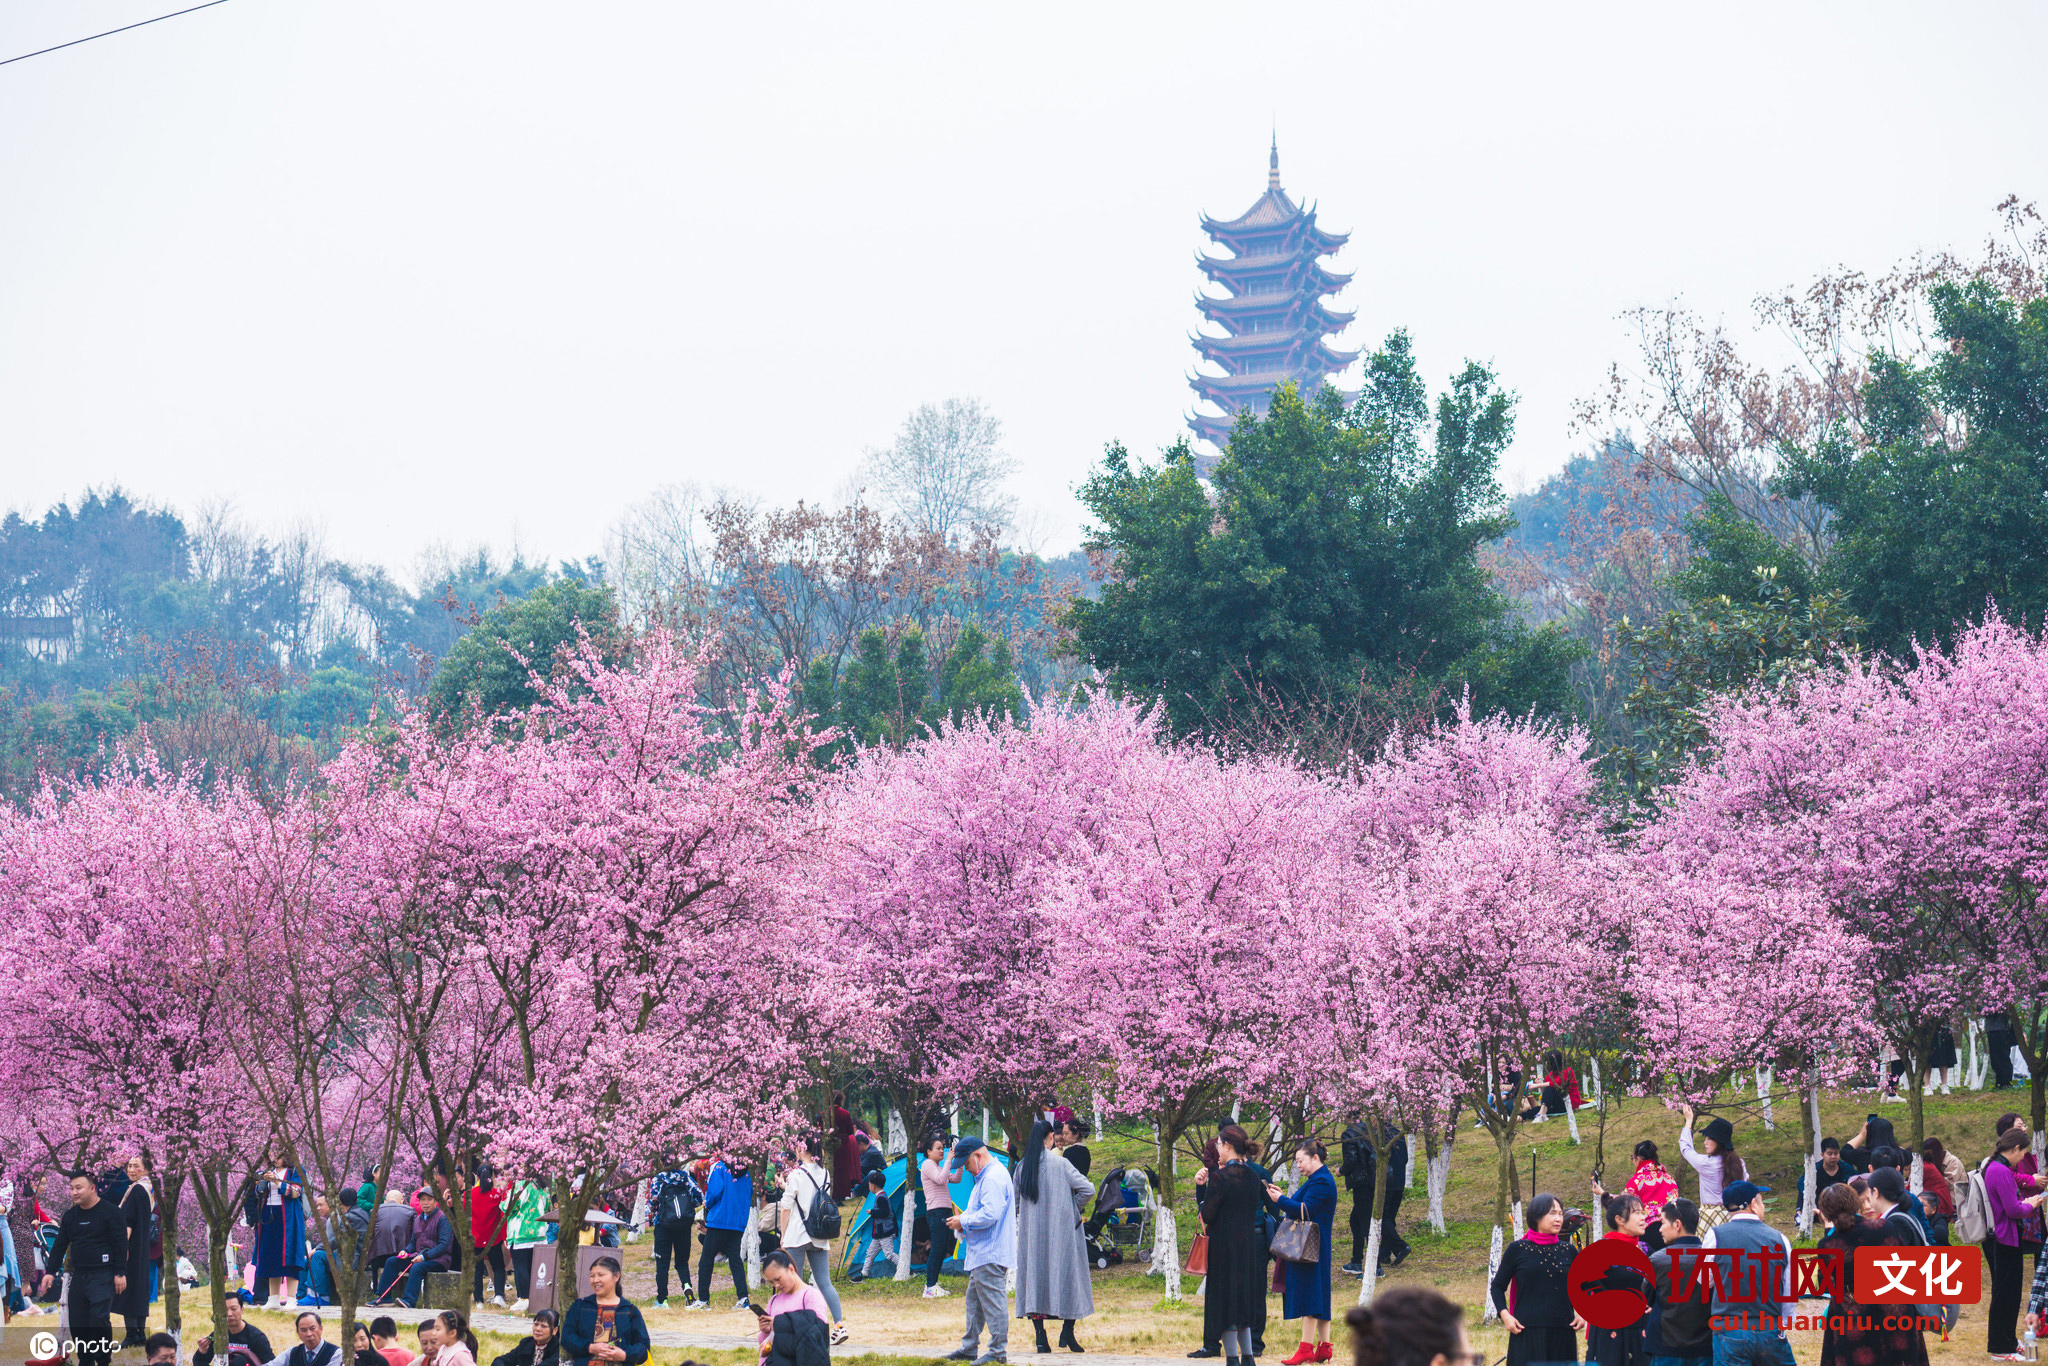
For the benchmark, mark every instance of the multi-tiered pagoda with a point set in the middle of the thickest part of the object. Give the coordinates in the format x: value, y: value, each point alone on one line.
x: 1275, y: 323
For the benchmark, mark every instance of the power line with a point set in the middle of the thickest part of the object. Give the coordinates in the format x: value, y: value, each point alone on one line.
x: 112, y: 31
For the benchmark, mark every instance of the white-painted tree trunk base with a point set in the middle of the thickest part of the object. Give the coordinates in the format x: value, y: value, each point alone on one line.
x: 1369, y: 1268
x: 899, y: 1133
x: 1973, y: 1075
x: 1571, y: 1119
x: 903, y: 1228
x: 1492, y: 1315
x: 1439, y: 1168
x: 750, y: 1247
x: 1809, y: 1194
x: 1095, y: 1104
x: 638, y: 1223
x: 1166, y: 1250
x: 1766, y: 1079
x: 1515, y: 1218
x: 1593, y: 1070
x: 1414, y: 1147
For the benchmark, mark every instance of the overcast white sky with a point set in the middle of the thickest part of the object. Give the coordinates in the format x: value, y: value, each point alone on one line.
x: 451, y: 270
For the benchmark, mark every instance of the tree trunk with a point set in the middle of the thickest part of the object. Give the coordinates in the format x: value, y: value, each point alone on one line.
x: 1766, y: 1079
x: 1414, y: 1147
x: 1492, y: 1315
x: 1973, y: 1076
x: 217, y: 1276
x: 1439, y: 1179
x: 1809, y: 1114
x: 1916, y: 1094
x: 1508, y: 1184
x: 172, y: 1190
x: 1368, y: 1268
x: 348, y: 1283
x: 2030, y: 1028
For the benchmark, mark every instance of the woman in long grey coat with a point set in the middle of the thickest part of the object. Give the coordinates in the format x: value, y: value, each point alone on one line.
x: 1052, y: 1255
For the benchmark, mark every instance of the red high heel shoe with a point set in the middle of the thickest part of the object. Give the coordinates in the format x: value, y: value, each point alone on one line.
x: 1323, y: 1351
x: 1302, y: 1355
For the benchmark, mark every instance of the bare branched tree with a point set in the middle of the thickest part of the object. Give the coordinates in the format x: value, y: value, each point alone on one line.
x: 657, y: 552
x: 944, y: 473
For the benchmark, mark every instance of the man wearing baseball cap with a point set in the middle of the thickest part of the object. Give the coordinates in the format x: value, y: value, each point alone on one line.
x: 1743, y: 1300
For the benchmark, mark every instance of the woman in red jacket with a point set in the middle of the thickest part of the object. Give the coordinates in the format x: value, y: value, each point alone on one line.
x: 487, y: 1230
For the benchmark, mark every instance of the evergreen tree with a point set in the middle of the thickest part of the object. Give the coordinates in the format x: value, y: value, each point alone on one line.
x: 1337, y: 555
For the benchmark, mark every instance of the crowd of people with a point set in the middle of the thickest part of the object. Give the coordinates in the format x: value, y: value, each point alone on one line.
x: 1863, y: 1193
x: 1021, y: 1231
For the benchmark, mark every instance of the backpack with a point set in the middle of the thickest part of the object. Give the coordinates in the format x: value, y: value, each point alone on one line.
x: 1973, y: 1209
x: 821, y: 1221
x: 678, y: 1203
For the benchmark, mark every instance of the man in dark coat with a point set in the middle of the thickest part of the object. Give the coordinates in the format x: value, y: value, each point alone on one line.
x: 1358, y: 1169
x: 1677, y: 1327
x: 1394, y: 1248
x: 95, y: 1235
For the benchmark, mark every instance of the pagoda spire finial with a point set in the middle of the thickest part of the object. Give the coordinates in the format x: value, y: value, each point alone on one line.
x: 1273, y: 163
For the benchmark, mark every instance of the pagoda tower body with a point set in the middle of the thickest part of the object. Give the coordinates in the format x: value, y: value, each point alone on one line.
x: 1276, y: 327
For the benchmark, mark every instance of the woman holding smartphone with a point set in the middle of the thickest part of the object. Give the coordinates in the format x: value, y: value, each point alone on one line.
x: 604, y: 1325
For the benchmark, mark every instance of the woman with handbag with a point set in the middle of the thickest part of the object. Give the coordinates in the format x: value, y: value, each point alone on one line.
x: 1236, y: 1297
x: 1303, y: 1246
x: 1052, y: 1255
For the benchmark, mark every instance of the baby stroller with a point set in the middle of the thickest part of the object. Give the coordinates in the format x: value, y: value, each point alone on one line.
x: 1121, y: 1221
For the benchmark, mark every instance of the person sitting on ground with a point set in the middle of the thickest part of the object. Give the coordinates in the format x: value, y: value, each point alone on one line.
x: 604, y: 1325
x: 541, y: 1347
x: 241, y: 1334
x: 384, y: 1337
x: 794, y: 1326
x: 1410, y: 1325
x: 458, y: 1344
x: 312, y: 1348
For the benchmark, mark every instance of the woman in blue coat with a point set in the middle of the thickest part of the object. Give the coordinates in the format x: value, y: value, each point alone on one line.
x: 1307, y: 1289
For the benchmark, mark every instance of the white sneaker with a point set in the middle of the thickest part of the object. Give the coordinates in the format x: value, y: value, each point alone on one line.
x: 839, y: 1334
x: 698, y: 1304
x: 519, y: 1306
x: 936, y: 1292
x: 743, y: 1305
x: 498, y: 1300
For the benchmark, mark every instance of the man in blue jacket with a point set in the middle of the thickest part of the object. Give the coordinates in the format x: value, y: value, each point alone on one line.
x: 728, y: 1200
x: 431, y: 1248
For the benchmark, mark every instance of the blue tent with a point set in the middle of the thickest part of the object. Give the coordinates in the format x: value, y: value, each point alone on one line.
x: 894, y: 1179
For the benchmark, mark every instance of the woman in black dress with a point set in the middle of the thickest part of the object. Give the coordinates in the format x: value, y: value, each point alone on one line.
x: 1529, y: 1290
x: 1855, y: 1345
x: 137, y: 1202
x: 1237, y: 1272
